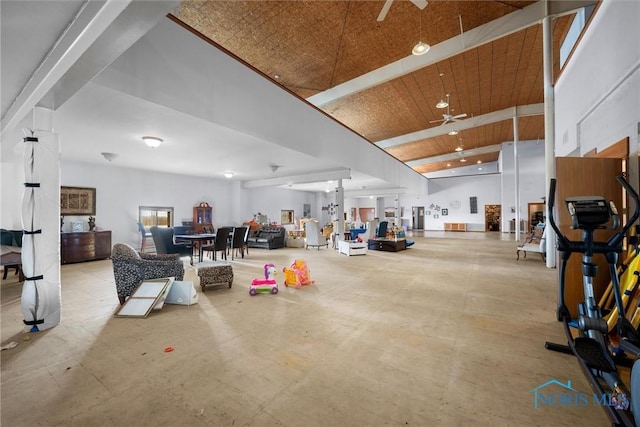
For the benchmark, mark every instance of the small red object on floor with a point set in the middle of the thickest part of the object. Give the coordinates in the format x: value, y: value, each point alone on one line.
x: 168, y: 349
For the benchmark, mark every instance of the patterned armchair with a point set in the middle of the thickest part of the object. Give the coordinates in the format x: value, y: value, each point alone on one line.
x: 130, y: 268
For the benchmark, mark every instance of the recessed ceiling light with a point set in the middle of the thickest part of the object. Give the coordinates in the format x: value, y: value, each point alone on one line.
x: 479, y: 161
x: 453, y: 132
x: 228, y: 174
x: 448, y: 164
x: 327, y: 190
x: 463, y: 160
x: 479, y: 169
x: 276, y: 76
x: 152, y: 141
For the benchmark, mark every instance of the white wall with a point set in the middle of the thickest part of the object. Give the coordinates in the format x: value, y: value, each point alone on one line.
x: 531, y: 178
x: 444, y: 191
x: 597, y: 95
x: 120, y: 191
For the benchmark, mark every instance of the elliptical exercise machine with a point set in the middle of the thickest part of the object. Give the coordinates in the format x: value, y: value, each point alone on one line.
x: 593, y: 348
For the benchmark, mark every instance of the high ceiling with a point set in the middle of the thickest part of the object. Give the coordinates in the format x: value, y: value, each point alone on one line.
x: 114, y: 66
x: 314, y: 47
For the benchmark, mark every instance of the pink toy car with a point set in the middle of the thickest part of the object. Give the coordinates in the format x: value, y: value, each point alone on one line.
x: 266, y: 285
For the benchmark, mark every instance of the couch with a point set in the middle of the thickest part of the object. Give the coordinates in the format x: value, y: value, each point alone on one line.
x: 267, y: 238
x: 11, y: 238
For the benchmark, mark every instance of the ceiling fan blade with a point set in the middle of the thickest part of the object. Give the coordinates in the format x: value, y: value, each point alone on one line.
x: 459, y: 116
x: 385, y: 9
x: 420, y: 4
x: 437, y: 121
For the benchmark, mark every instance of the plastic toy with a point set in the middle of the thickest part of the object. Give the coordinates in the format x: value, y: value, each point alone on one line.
x: 297, y: 275
x: 266, y: 285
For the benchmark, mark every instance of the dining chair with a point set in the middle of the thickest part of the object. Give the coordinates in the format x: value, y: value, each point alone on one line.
x: 245, y: 244
x: 220, y: 243
x: 145, y: 235
x: 163, y: 239
x: 237, y: 241
x: 382, y: 230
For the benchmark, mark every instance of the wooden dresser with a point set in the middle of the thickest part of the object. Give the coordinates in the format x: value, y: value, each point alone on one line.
x: 85, y: 246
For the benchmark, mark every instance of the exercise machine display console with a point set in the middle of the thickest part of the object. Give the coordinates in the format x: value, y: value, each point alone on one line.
x: 591, y: 212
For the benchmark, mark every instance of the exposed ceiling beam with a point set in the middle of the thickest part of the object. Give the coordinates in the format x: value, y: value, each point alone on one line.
x: 100, y: 33
x: 478, y: 36
x: 312, y: 176
x: 484, y: 119
x: 456, y: 155
x: 376, y: 193
x: 501, y: 27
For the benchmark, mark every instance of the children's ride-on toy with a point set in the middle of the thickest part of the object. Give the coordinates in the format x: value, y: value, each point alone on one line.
x: 297, y: 275
x: 266, y: 285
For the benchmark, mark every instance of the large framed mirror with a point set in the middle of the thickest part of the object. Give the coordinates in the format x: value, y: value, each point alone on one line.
x: 286, y: 216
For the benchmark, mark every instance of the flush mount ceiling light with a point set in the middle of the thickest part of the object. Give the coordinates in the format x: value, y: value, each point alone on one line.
x: 479, y: 161
x: 458, y: 148
x: 453, y: 132
x: 463, y: 160
x: 228, y: 174
x: 152, y: 141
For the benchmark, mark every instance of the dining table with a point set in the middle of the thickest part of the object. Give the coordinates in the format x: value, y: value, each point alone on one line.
x: 198, y: 241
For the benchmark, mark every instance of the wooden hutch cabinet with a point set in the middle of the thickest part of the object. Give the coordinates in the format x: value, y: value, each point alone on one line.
x: 85, y: 246
x: 202, y: 217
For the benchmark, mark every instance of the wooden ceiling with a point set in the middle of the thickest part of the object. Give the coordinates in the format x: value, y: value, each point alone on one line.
x: 311, y: 46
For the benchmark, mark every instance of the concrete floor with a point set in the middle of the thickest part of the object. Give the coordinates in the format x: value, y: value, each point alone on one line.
x: 448, y: 333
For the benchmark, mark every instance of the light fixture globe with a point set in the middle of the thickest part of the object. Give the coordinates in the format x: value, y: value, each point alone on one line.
x: 458, y: 148
x: 453, y: 132
x: 442, y: 104
x: 420, y: 49
x: 152, y: 141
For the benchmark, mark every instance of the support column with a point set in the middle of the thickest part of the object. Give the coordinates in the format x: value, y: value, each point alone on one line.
x: 41, y: 293
x: 339, y: 202
x: 516, y: 172
x: 549, y: 127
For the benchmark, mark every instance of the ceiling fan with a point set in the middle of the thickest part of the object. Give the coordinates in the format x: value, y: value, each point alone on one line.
x: 446, y: 118
x: 420, y: 4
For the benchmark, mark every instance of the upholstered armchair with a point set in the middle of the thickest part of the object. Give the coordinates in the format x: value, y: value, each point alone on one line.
x: 314, y: 235
x: 130, y: 268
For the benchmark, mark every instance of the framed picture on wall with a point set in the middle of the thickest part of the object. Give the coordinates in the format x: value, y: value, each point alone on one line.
x: 77, y: 201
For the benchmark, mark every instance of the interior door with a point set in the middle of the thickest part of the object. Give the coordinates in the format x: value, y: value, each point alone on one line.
x: 492, y: 214
x: 578, y: 176
x: 418, y: 217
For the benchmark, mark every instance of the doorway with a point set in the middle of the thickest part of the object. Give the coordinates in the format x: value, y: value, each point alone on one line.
x: 418, y: 217
x: 536, y: 215
x: 366, y: 214
x: 492, y: 214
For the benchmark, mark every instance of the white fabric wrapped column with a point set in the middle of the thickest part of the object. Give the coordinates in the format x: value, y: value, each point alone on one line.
x: 41, y: 296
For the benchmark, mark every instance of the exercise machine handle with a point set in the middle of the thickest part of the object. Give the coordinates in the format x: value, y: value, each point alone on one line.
x: 563, y: 242
x: 616, y: 239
